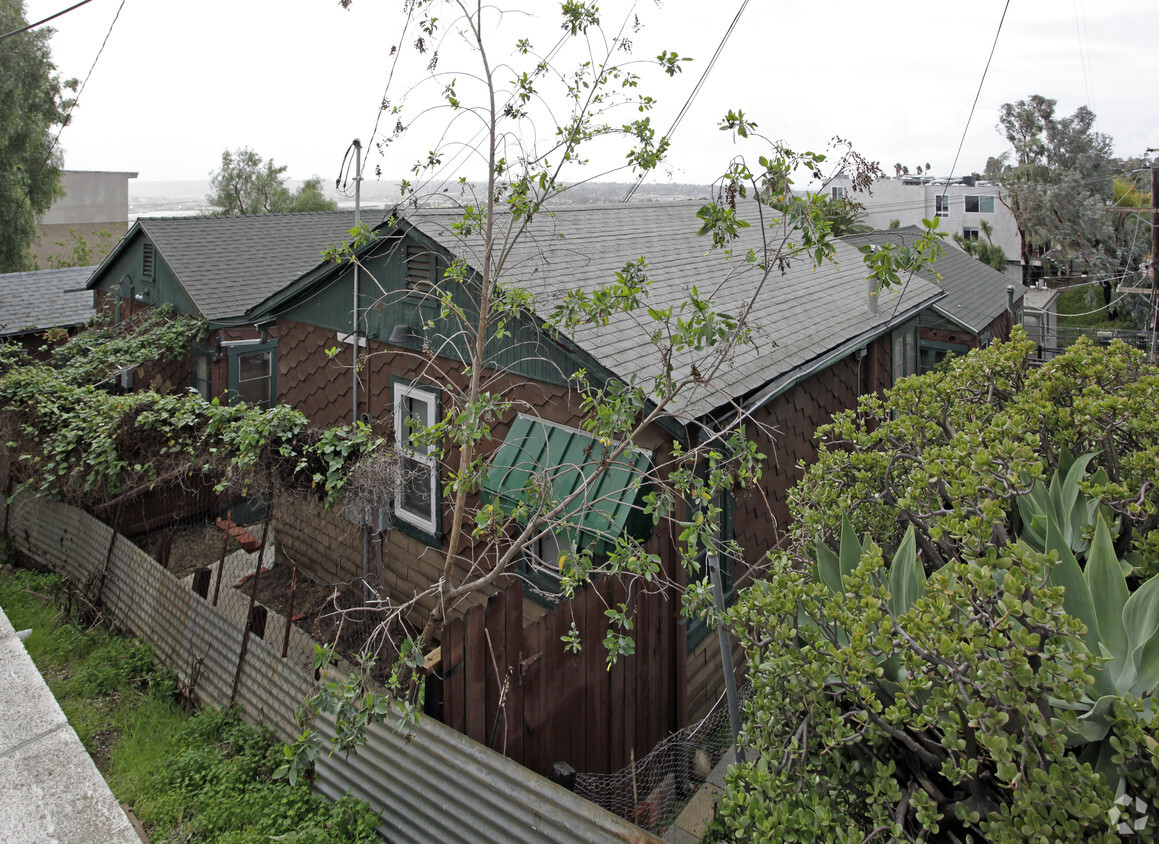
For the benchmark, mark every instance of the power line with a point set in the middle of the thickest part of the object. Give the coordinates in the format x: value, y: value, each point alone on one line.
x: 978, y: 94
x: 80, y: 90
x: 42, y: 22
x: 692, y: 96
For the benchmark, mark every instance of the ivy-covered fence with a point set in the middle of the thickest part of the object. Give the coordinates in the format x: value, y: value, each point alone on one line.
x: 429, y: 782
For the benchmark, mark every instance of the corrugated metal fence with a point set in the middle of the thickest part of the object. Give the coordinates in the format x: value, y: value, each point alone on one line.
x: 429, y: 782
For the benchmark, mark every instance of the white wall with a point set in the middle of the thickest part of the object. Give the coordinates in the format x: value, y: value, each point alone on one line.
x: 894, y: 199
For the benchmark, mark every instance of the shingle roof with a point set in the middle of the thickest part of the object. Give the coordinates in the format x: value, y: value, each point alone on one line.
x: 975, y: 293
x: 798, y: 316
x: 34, y: 301
x: 229, y: 264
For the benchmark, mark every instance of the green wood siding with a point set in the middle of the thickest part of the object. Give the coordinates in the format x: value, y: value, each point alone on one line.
x: 126, y: 277
x: 385, y: 301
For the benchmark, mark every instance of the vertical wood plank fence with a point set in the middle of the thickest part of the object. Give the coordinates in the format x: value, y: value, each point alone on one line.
x: 520, y: 691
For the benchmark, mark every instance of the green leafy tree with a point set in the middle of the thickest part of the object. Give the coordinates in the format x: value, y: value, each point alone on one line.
x: 985, y: 251
x: 247, y: 184
x: 986, y: 672
x: 1058, y: 180
x: 33, y: 104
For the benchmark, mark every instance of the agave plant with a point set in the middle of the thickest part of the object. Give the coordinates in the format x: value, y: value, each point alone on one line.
x: 1062, y: 502
x: 1122, y: 627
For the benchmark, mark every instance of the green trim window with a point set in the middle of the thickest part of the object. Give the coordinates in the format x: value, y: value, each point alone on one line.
x: 905, y: 351
x: 253, y: 373
x: 416, y: 501
x: 698, y: 629
x: 203, y: 373
x: 933, y: 353
x: 539, y: 566
x: 540, y: 464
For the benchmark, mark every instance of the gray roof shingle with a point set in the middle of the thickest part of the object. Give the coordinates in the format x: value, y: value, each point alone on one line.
x: 34, y: 301
x: 229, y: 264
x: 798, y: 316
x: 975, y: 293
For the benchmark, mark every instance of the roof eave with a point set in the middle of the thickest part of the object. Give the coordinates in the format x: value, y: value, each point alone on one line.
x: 794, y: 376
x: 114, y: 254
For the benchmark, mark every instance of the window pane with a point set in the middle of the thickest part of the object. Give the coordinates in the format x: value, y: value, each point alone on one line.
x: 203, y: 376
x: 971, y: 205
x: 416, y: 488
x: 254, y: 378
x: 253, y: 366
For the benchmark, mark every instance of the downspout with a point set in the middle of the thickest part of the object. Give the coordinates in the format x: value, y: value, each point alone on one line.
x: 724, y: 640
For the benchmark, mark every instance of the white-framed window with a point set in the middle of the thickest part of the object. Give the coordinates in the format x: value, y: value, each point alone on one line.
x: 981, y: 204
x: 970, y: 233
x: 416, y: 500
x: 942, y: 205
x: 838, y: 193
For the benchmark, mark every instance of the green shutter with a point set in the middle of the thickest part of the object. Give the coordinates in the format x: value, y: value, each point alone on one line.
x: 537, y: 452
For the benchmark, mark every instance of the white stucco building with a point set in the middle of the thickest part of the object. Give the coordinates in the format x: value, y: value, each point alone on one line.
x: 961, y: 208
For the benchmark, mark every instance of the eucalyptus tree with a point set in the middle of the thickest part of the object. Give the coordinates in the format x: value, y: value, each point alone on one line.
x: 35, y: 105
x: 1058, y: 181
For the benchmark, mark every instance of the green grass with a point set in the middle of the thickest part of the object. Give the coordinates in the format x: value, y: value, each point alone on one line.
x: 190, y: 777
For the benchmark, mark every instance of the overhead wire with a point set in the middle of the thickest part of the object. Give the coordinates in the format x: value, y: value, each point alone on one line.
x: 692, y: 95
x: 1084, y: 52
x: 966, y: 128
x: 43, y: 21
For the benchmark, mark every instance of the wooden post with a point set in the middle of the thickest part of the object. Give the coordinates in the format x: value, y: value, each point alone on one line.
x: 290, y: 610
x: 221, y: 562
x: 245, y: 637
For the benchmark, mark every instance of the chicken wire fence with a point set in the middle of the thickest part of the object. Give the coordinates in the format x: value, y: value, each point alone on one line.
x: 652, y: 790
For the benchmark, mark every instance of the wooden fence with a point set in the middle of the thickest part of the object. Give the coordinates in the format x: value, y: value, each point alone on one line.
x: 520, y: 691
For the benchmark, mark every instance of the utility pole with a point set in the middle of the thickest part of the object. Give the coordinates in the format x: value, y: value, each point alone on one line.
x: 1154, y: 252
x: 357, y: 144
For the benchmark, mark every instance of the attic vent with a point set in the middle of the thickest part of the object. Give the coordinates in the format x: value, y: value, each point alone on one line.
x: 419, y: 263
x: 147, y: 262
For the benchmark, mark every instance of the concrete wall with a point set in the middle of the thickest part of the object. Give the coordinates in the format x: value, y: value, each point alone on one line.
x: 94, y: 201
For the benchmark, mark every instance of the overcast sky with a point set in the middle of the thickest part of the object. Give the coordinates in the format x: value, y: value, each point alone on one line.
x: 298, y: 79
